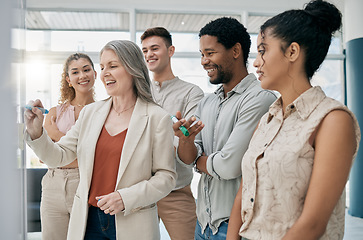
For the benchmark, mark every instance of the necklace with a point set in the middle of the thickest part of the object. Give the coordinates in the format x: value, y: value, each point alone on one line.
x: 81, y: 105
x: 119, y: 113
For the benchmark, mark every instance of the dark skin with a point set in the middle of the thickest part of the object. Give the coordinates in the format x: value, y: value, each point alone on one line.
x: 189, y: 140
x: 223, y: 66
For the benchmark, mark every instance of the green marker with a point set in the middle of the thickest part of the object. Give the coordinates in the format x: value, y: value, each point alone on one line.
x: 182, y: 128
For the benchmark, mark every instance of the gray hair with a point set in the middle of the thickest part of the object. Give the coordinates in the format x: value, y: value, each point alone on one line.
x: 132, y: 58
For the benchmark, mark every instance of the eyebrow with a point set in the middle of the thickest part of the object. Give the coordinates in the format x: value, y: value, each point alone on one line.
x: 207, y: 49
x: 154, y: 45
x: 82, y: 67
x: 262, y: 44
x: 110, y: 62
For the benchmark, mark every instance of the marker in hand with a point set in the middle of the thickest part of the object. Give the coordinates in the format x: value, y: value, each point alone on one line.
x: 182, y: 128
x: 44, y: 111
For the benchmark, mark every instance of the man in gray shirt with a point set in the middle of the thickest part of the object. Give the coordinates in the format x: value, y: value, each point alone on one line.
x: 177, y: 210
x: 227, y: 121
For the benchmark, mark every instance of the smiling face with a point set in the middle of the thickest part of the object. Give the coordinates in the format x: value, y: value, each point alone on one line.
x: 156, y: 53
x: 271, y: 63
x: 81, y: 75
x: 216, y: 60
x: 114, y: 76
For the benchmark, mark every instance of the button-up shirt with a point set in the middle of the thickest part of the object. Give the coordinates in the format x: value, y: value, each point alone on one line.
x: 177, y: 95
x: 277, y: 167
x: 229, y: 124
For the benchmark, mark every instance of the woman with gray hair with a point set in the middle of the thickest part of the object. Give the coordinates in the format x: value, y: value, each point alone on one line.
x: 124, y: 149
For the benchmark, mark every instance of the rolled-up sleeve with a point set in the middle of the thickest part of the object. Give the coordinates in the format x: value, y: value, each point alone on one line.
x: 226, y: 163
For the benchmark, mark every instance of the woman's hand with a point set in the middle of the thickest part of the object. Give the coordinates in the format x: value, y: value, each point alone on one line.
x: 34, y: 119
x: 111, y: 203
x: 51, y: 127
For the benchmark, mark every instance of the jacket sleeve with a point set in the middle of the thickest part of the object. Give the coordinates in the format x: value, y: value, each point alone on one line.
x: 60, y: 153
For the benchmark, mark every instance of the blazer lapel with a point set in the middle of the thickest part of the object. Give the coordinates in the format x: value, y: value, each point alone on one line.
x: 98, y: 122
x: 135, y: 130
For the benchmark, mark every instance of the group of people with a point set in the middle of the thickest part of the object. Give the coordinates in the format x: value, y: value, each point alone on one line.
x: 272, y: 167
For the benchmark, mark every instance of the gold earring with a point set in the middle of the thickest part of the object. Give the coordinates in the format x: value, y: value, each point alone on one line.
x: 70, y: 84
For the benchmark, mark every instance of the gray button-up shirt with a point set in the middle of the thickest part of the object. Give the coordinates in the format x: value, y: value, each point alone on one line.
x: 229, y: 125
x: 177, y: 95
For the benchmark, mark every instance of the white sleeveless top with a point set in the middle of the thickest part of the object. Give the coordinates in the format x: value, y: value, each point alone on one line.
x: 275, y: 185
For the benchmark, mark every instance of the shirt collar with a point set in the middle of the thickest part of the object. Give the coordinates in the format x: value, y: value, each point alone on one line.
x: 305, y: 104
x: 165, y: 83
x: 239, y: 88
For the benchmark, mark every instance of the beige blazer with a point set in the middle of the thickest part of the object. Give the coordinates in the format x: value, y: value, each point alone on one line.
x: 146, y: 172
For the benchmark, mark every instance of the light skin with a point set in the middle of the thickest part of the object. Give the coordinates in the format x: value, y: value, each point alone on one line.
x: 157, y: 56
x: 223, y: 66
x: 82, y: 77
x: 333, y: 141
x: 119, y: 85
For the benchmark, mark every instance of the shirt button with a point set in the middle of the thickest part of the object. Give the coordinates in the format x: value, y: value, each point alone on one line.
x: 251, y: 199
x: 65, y: 173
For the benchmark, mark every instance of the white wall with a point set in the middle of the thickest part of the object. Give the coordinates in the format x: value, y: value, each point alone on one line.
x: 353, y: 19
x: 10, y: 220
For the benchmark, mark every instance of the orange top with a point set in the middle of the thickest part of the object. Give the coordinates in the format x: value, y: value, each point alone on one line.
x: 106, y: 164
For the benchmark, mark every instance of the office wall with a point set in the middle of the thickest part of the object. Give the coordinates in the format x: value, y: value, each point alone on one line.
x: 10, y: 187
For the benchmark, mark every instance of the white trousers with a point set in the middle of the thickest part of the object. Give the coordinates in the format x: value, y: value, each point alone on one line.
x: 58, y: 189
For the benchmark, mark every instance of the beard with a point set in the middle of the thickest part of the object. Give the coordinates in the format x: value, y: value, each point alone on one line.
x: 222, y: 76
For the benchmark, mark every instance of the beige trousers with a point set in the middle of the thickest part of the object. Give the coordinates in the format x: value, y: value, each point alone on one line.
x: 178, y: 213
x: 58, y: 189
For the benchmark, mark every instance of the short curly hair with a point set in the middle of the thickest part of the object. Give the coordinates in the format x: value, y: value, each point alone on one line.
x: 229, y: 31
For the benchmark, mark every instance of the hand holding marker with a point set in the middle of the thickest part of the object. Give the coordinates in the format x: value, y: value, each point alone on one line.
x: 44, y: 111
x: 182, y: 128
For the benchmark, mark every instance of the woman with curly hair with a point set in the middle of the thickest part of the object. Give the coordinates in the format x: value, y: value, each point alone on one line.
x: 59, y: 184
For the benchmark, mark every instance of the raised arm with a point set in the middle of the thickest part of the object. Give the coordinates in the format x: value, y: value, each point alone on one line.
x: 187, y: 151
x: 54, y: 154
x: 34, y: 119
x: 335, y: 144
